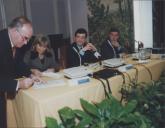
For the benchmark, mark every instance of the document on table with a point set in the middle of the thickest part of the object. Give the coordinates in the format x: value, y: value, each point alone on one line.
x: 52, y: 74
x: 114, y: 62
x: 77, y: 72
x: 50, y: 83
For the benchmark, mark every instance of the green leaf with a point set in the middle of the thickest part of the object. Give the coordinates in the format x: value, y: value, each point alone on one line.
x: 130, y: 106
x: 68, y: 117
x: 81, y: 114
x: 104, y: 104
x: 104, y: 109
x: 115, y: 107
x: 89, y: 108
x: 51, y: 123
x: 84, y: 123
x: 130, y: 118
x: 66, y: 113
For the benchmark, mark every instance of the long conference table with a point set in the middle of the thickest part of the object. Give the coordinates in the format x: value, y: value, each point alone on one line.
x: 31, y: 107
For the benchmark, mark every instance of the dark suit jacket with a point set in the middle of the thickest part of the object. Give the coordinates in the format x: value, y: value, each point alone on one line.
x: 74, y: 57
x: 10, y: 68
x: 107, y: 51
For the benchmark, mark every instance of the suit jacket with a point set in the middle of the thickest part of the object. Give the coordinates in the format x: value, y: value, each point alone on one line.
x: 35, y: 63
x: 108, y: 51
x: 75, y: 59
x: 10, y: 68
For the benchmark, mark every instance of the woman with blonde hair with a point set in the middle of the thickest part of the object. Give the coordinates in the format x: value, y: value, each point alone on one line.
x: 40, y: 58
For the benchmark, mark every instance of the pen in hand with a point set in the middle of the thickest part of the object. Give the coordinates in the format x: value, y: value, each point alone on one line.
x: 25, y: 83
x: 37, y: 79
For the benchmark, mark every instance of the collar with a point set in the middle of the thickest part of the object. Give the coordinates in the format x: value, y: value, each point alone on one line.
x: 109, y: 42
x: 12, y: 45
x: 79, y: 46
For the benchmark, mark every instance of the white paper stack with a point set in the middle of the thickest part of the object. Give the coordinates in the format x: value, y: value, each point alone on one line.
x: 77, y: 72
x: 115, y: 62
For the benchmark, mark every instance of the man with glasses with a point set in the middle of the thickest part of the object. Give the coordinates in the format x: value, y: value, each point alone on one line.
x: 23, y: 37
x: 15, y: 36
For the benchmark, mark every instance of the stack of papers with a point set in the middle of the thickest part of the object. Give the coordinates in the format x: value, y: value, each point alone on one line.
x: 115, y: 62
x: 77, y: 72
x: 50, y: 83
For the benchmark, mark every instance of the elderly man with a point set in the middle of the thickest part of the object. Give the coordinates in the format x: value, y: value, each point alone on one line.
x: 15, y: 36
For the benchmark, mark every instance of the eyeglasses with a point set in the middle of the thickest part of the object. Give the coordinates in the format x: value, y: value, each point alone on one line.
x: 22, y: 36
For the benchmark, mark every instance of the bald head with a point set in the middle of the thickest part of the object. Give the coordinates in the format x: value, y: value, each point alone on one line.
x: 20, y: 30
x: 18, y: 22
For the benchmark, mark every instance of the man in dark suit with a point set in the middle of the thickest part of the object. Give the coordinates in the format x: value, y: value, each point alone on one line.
x: 15, y: 36
x: 80, y: 51
x: 111, y: 48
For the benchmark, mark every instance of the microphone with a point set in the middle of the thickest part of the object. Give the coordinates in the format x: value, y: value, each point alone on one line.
x: 98, y: 56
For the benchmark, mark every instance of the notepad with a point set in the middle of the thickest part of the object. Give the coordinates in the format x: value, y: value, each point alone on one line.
x: 50, y: 83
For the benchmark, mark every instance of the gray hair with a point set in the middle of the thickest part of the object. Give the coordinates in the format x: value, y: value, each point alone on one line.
x: 18, y: 22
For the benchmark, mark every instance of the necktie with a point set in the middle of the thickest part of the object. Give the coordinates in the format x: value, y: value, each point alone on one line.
x: 14, y: 51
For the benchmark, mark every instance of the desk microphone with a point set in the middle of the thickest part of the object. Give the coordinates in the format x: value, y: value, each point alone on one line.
x: 98, y: 56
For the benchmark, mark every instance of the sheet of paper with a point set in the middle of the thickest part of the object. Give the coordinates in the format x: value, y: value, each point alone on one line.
x: 50, y: 83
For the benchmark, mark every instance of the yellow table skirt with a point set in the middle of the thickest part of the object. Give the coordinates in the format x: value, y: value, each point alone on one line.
x: 30, y: 107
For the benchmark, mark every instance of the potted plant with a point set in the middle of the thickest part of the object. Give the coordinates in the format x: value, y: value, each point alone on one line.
x: 150, y: 99
x: 109, y: 113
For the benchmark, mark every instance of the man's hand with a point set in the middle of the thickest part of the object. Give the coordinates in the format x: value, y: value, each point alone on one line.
x: 115, y: 44
x: 89, y: 46
x: 25, y: 83
x: 37, y: 79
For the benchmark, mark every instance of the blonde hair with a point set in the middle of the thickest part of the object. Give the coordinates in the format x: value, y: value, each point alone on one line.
x: 42, y: 40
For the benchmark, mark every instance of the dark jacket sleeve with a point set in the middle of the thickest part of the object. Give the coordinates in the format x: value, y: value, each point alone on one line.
x: 106, y: 51
x: 22, y: 69
x: 89, y: 57
x: 72, y: 58
x: 8, y: 85
x: 7, y: 65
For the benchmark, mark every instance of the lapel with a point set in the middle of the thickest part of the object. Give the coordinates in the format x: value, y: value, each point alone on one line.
x: 9, y: 60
